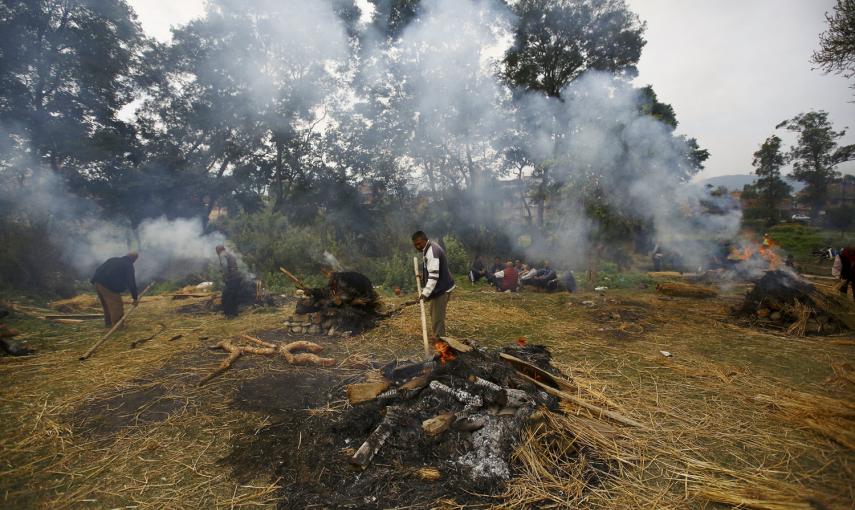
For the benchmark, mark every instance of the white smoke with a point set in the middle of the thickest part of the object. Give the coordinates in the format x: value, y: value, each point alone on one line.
x: 168, y: 249
x: 595, y: 137
x: 331, y: 261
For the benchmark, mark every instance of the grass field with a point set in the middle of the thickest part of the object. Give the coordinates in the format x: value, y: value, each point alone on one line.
x: 801, y: 240
x: 736, y: 417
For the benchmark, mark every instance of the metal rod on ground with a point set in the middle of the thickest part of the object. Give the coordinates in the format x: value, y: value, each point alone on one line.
x: 296, y: 280
x: 116, y: 325
x: 421, y: 306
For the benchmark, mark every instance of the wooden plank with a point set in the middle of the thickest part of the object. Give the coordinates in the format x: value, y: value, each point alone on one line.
x: 365, y: 392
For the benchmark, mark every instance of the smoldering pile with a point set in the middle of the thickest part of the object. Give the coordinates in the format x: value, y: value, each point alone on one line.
x: 347, y: 305
x: 784, y: 301
x: 457, y: 417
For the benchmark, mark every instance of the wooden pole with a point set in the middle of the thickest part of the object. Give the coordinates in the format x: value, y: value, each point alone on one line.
x: 421, y: 306
x: 116, y: 325
x: 297, y: 281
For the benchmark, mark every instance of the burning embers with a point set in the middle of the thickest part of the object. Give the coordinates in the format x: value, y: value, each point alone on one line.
x: 461, y: 412
x: 445, y: 352
x: 784, y: 301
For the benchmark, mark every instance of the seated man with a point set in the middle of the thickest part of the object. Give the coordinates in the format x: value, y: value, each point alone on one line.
x: 545, y: 278
x: 526, y: 273
x: 507, y: 280
x: 478, y: 270
x: 495, y: 268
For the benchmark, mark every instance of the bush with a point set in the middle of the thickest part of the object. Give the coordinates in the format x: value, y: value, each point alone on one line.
x: 458, y: 258
x: 30, y: 261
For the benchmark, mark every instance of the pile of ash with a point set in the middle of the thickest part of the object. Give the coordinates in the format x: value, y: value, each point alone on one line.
x: 783, y: 300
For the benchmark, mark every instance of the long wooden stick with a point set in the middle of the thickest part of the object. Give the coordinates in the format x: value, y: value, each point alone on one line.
x: 421, y: 306
x: 116, y: 325
x: 296, y: 280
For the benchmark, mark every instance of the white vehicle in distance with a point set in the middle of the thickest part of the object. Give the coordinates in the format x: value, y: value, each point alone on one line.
x: 801, y: 217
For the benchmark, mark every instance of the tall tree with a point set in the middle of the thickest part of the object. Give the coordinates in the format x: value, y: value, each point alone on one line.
x: 66, y: 69
x: 555, y: 41
x: 837, y: 45
x: 770, y: 188
x: 816, y: 154
x: 244, y: 90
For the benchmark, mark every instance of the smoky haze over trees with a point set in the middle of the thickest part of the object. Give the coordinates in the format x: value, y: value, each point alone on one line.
x: 312, y: 125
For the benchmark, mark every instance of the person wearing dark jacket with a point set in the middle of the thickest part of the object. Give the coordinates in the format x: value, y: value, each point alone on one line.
x: 437, y: 279
x: 545, y: 278
x: 495, y: 268
x: 478, y: 270
x: 113, y: 277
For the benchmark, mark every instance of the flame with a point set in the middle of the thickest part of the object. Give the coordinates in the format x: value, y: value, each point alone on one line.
x: 521, y: 341
x: 765, y: 251
x: 446, y: 353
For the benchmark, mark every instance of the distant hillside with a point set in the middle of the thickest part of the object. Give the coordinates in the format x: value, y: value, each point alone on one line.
x: 737, y: 181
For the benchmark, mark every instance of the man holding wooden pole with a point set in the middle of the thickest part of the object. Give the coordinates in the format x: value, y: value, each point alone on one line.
x: 437, y: 280
x: 113, y: 277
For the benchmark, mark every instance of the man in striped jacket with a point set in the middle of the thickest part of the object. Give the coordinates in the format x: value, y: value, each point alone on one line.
x: 437, y: 280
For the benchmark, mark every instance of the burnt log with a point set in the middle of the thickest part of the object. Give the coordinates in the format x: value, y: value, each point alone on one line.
x: 375, y: 441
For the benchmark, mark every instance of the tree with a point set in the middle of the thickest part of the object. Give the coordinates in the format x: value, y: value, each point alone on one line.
x: 242, y: 93
x: 391, y: 17
x: 770, y: 188
x: 555, y: 41
x: 837, y: 45
x: 841, y: 218
x: 68, y: 67
x: 815, y: 155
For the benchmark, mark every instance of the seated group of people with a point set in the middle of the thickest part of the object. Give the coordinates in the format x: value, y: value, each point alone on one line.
x: 511, y: 276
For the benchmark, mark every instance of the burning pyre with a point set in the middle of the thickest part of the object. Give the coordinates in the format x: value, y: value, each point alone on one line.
x: 461, y: 413
x: 348, y: 304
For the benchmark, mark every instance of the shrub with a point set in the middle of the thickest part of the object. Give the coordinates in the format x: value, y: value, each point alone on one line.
x: 30, y: 261
x: 458, y: 258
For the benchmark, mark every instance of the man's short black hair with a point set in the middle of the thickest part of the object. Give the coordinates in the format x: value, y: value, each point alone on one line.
x: 419, y: 235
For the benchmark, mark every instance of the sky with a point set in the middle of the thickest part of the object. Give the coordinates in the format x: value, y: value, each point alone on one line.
x: 732, y: 69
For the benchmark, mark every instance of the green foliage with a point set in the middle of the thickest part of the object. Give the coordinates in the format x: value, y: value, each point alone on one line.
x: 816, y: 154
x: 837, y: 45
x: 609, y: 275
x: 267, y: 241
x: 29, y: 260
x: 395, y: 270
x: 801, y: 240
x: 555, y: 41
x: 458, y: 258
x: 770, y: 189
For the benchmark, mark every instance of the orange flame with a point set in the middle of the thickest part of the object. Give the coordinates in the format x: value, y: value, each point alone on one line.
x: 446, y: 353
x: 766, y: 251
